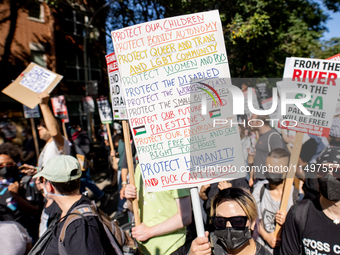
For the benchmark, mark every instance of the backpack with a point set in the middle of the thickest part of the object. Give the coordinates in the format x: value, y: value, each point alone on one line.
x: 295, y: 194
x: 300, y: 213
x: 118, y: 238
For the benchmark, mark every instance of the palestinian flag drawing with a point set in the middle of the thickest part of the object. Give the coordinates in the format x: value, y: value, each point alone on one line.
x: 215, y: 113
x: 116, y: 113
x: 139, y: 130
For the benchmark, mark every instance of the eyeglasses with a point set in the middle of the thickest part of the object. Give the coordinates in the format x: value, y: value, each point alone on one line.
x: 237, y: 222
x: 7, y: 164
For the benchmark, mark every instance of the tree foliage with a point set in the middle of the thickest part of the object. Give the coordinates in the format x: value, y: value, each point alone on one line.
x: 259, y: 34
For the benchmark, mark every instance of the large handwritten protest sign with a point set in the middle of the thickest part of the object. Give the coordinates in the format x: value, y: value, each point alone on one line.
x: 335, y: 57
x: 33, y: 80
x: 116, y: 89
x: 167, y: 67
x: 320, y: 77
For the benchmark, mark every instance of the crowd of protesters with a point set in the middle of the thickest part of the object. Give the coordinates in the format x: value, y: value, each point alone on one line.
x: 45, y: 208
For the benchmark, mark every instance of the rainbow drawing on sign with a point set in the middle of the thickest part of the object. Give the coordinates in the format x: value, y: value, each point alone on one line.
x: 209, y: 93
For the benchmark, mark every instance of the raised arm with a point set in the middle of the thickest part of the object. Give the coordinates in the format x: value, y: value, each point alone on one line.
x: 50, y: 121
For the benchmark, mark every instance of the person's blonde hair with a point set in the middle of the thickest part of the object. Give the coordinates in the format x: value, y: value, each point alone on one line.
x: 240, y: 196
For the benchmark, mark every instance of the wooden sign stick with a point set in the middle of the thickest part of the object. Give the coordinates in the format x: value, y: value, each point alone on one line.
x: 128, y: 152
x: 114, y: 161
x: 64, y: 130
x: 35, y: 138
x: 290, y: 177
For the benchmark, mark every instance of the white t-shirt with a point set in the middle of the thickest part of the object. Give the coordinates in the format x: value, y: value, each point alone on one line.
x: 14, y: 238
x: 51, y: 150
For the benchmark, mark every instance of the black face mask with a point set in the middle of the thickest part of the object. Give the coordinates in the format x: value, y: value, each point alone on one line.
x: 274, y: 178
x: 233, y: 239
x: 329, y: 187
x: 7, y: 172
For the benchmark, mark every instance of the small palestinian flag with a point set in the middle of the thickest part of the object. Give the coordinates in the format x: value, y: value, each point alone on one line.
x: 215, y: 113
x: 116, y: 113
x: 139, y: 130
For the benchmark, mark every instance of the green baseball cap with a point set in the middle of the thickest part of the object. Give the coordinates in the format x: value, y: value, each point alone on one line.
x: 62, y: 168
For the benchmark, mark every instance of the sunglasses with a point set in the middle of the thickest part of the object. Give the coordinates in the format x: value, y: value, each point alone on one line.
x: 237, y: 222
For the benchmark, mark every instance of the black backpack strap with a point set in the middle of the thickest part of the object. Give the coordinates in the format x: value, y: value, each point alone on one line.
x: 262, y: 192
x: 300, y: 214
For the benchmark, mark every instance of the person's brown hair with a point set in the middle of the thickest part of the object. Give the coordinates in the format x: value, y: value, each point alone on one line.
x: 242, y: 197
x: 67, y: 188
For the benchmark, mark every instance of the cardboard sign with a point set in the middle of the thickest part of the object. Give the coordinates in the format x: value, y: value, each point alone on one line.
x: 31, y: 113
x: 59, y: 108
x: 335, y: 57
x: 33, y: 80
x: 255, y: 102
x: 88, y: 104
x: 167, y: 67
x: 116, y: 88
x: 320, y: 77
x: 104, y: 110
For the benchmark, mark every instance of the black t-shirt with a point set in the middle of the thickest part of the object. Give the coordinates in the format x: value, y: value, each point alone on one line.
x: 320, y: 236
x: 85, y: 237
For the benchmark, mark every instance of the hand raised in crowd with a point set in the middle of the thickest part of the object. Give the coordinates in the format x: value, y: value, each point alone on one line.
x: 141, y: 232
x: 202, y: 192
x: 280, y: 217
x: 44, y: 98
x: 201, y: 245
x: 272, y: 240
x: 224, y: 185
x: 28, y: 169
x: 14, y: 188
x: 130, y: 192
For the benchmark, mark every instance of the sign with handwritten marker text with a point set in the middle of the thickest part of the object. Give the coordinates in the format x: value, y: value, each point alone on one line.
x: 165, y: 67
x: 321, y: 78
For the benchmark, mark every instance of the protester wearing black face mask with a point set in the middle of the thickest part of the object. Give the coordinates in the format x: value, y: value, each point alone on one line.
x: 233, y: 215
x: 321, y: 216
x: 268, y: 199
x: 16, y: 203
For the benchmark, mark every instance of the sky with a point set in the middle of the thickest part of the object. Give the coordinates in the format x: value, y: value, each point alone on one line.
x: 333, y: 26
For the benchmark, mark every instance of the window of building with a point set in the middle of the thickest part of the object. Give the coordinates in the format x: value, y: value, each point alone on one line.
x: 38, y: 55
x: 75, y: 70
x: 36, y: 11
x: 74, y: 22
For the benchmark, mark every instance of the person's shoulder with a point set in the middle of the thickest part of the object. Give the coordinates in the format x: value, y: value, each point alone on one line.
x: 257, y: 190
